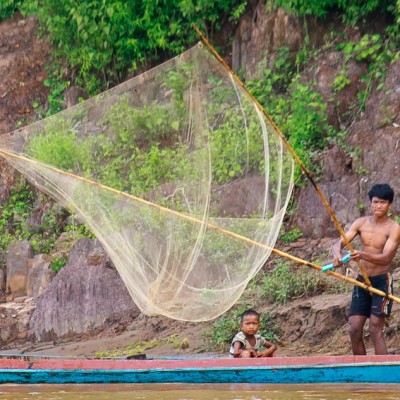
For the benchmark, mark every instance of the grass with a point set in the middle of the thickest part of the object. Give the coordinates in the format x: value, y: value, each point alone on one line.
x: 141, y: 346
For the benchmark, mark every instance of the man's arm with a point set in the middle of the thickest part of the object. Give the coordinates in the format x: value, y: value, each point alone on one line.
x: 350, y: 235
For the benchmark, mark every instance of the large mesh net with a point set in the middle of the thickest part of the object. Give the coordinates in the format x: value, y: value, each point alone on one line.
x: 147, y: 165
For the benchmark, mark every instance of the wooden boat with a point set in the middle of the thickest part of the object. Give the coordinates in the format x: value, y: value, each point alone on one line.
x: 283, y: 370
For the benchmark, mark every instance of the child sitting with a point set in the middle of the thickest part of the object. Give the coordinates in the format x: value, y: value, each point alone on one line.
x: 247, y: 342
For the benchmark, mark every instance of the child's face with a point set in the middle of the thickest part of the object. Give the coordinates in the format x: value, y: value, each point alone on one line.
x: 250, y: 325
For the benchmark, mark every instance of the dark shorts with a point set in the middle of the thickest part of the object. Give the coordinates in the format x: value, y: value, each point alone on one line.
x: 364, y: 303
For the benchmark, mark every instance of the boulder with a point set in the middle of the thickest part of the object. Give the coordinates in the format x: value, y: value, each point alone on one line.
x: 86, y: 296
x: 18, y: 261
x: 14, y: 320
x: 40, y: 275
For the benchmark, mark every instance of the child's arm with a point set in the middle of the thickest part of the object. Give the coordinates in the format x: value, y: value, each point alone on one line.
x: 238, y: 348
x: 269, y: 350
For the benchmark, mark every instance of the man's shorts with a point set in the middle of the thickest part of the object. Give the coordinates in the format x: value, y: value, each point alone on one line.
x: 366, y: 303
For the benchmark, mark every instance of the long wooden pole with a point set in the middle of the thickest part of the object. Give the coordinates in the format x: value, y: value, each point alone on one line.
x: 291, y: 150
x: 298, y: 260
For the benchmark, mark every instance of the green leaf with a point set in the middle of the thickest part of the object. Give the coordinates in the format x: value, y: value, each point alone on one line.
x: 175, y: 125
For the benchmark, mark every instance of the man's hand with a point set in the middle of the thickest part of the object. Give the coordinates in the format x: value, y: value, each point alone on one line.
x: 356, y: 255
x: 337, y: 262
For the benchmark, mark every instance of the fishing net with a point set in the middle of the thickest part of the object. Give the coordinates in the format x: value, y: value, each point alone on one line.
x: 147, y: 167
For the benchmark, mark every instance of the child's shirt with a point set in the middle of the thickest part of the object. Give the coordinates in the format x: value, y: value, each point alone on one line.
x: 241, y: 337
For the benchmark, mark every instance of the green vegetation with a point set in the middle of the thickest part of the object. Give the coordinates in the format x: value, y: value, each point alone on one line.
x: 141, y: 346
x: 58, y: 263
x: 293, y: 102
x: 119, y: 163
x: 290, y: 236
x: 351, y: 11
x: 14, y: 213
x: 394, y: 217
x: 8, y: 8
x: 101, y: 41
x: 285, y: 283
x: 295, y: 106
x: 57, y: 84
x: 134, y: 152
x: 15, y: 226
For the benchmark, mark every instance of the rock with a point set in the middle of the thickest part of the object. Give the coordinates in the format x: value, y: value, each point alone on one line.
x: 2, y: 281
x: 241, y: 198
x: 83, y: 297
x: 73, y: 95
x: 39, y: 276
x: 36, y: 218
x: 261, y: 32
x: 18, y: 260
x: 23, y: 57
x: 14, y: 320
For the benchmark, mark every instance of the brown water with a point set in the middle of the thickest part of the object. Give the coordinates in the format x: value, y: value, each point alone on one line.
x: 200, y: 392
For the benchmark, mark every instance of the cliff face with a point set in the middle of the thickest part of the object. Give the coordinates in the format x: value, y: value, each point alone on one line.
x: 68, y: 306
x: 374, y: 136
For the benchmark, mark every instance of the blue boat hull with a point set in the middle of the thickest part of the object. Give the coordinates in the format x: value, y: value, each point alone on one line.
x: 378, y: 372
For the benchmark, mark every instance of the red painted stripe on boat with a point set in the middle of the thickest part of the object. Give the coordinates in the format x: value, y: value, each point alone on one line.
x: 13, y: 363
x: 193, y: 363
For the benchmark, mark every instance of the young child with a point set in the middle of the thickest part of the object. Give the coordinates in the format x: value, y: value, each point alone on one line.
x: 247, y: 342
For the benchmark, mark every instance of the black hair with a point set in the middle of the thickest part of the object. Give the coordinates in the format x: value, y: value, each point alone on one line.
x: 382, y: 191
x: 247, y: 313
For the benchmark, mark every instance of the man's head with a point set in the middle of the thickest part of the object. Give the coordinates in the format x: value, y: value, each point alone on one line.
x: 382, y: 191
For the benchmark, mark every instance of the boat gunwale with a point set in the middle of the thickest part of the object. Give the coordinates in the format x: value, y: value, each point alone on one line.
x: 42, y: 363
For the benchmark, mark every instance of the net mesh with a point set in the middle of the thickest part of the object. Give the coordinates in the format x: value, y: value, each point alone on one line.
x: 146, y: 166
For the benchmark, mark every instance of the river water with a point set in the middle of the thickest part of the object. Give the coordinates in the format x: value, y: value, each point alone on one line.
x: 200, y: 392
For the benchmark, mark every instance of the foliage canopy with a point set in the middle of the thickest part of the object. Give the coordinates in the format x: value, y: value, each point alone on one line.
x: 101, y: 40
x: 351, y: 11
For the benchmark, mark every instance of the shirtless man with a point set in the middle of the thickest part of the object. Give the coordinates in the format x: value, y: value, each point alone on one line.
x: 380, y: 238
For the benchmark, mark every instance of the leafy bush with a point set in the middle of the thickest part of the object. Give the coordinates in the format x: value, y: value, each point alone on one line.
x: 14, y: 212
x: 132, y: 153
x: 58, y: 147
x: 284, y: 283
x: 8, y: 7
x: 297, y: 109
x: 101, y: 40
x: 291, y: 236
x: 351, y: 11
x: 58, y: 263
x: 377, y: 53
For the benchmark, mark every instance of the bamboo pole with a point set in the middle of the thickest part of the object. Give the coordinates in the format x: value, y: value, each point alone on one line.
x: 216, y: 228
x: 291, y: 150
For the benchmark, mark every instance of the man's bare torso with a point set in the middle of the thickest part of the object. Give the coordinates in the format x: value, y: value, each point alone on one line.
x: 374, y: 237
